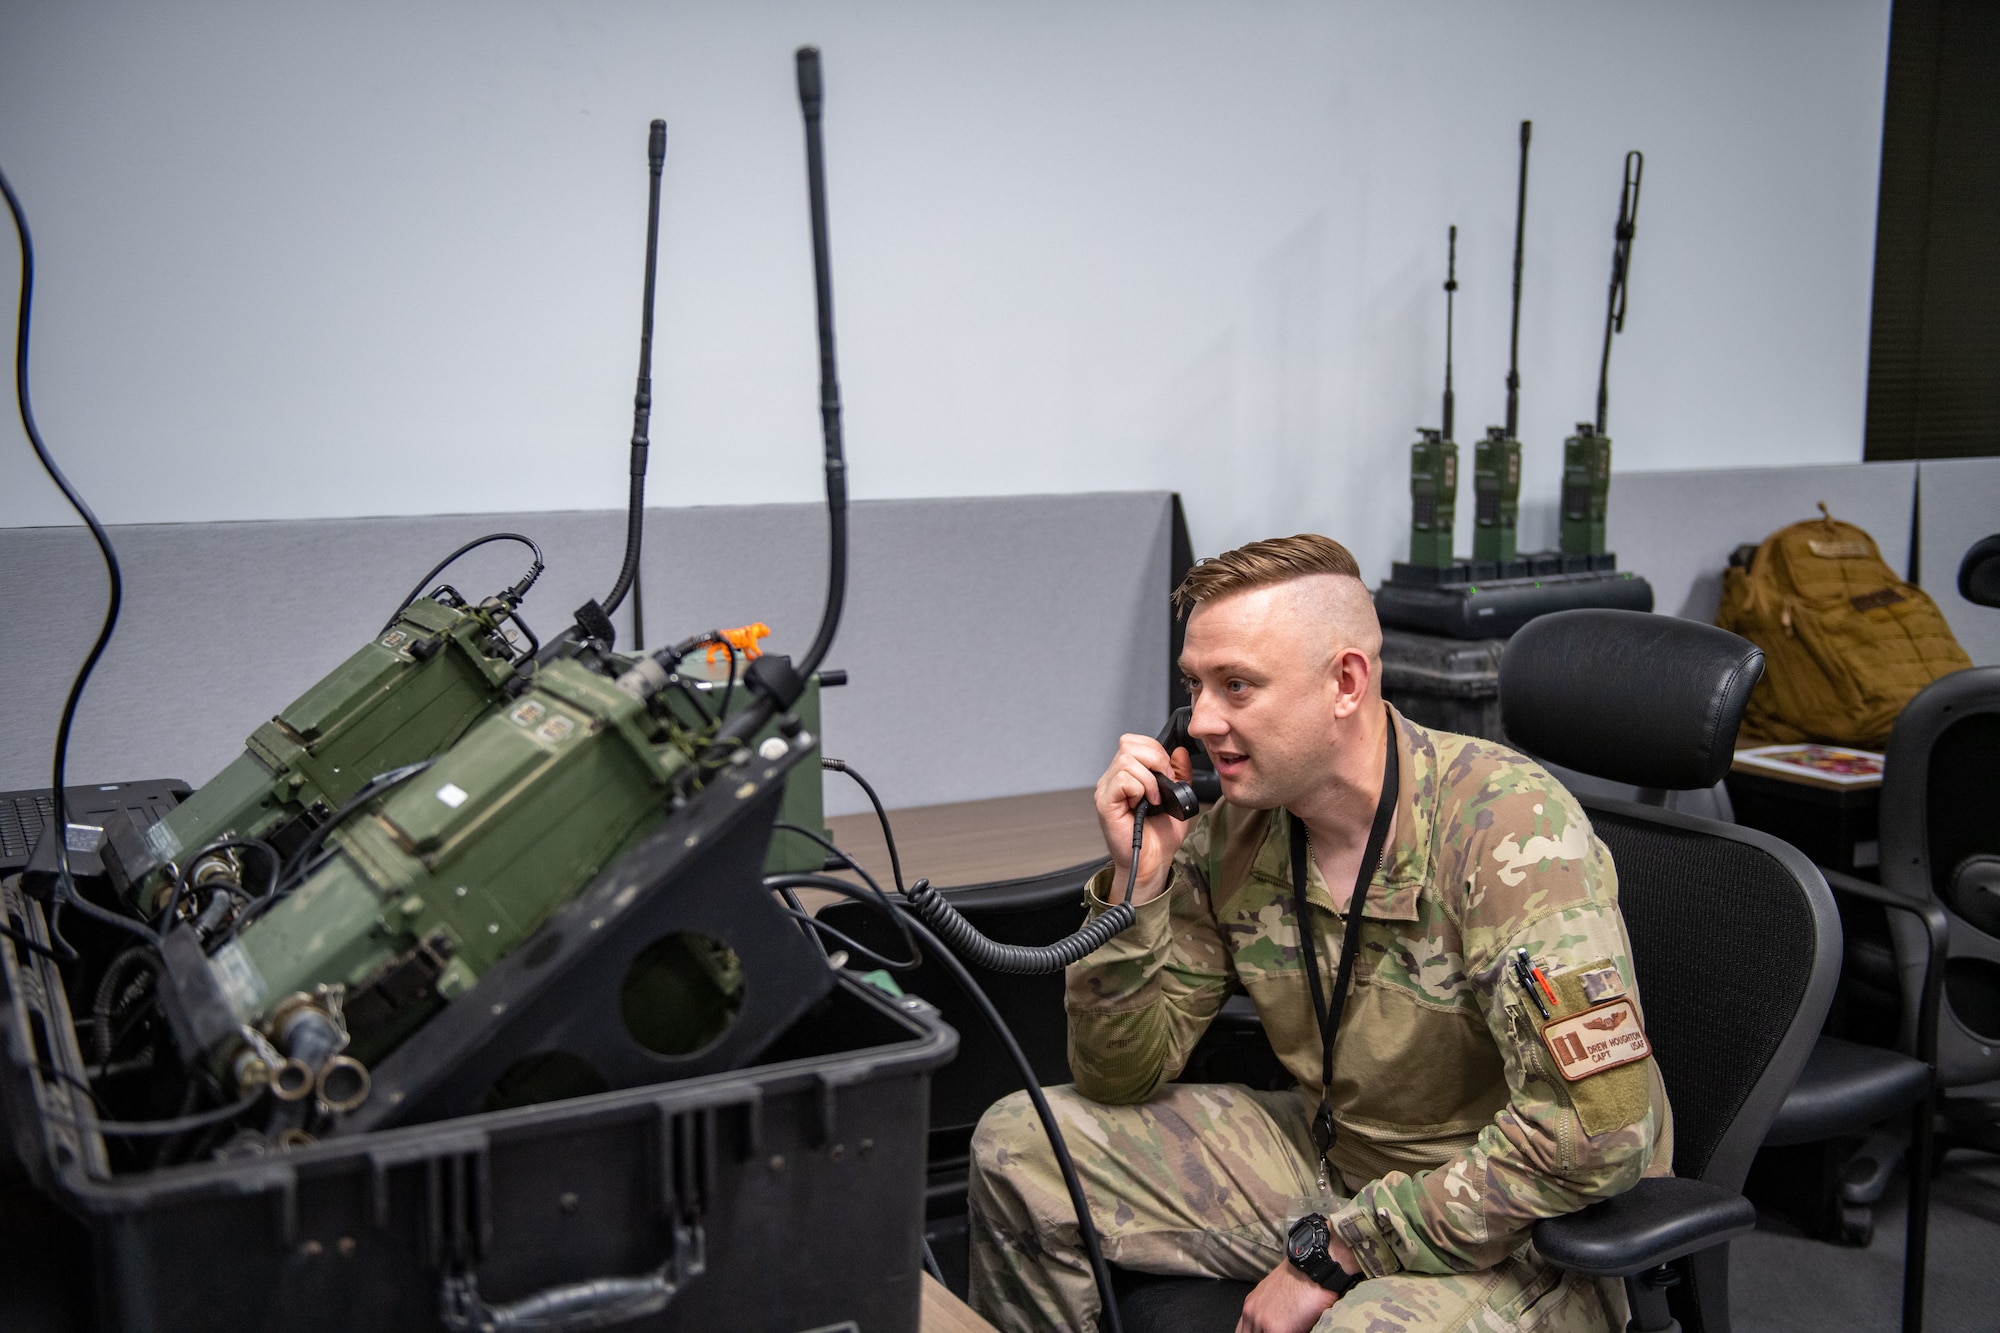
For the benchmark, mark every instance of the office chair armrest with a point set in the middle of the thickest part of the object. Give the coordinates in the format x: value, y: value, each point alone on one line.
x: 1937, y: 934
x: 1657, y: 1221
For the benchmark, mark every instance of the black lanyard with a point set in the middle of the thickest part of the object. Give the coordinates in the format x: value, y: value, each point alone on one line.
x: 1328, y: 1015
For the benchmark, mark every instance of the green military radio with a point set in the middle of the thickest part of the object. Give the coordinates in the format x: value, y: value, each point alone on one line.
x: 455, y: 865
x: 1587, y: 454
x: 1496, y: 495
x: 436, y: 668
x: 1433, y: 497
x: 1434, y: 457
x: 1496, y: 460
x: 1586, y: 489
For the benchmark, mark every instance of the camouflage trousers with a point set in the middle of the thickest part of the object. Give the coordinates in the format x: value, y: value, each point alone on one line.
x: 1204, y: 1180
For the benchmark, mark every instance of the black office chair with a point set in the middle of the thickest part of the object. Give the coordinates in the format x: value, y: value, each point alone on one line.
x: 1979, y: 572
x: 1941, y: 889
x: 1735, y: 938
x: 1940, y: 832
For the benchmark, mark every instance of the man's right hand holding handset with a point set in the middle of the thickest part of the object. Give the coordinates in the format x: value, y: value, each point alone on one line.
x: 1134, y: 775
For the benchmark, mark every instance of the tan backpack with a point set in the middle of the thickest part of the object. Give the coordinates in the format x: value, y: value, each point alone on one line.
x: 1846, y: 643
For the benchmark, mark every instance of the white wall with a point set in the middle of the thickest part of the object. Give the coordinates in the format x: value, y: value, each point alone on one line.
x: 307, y: 261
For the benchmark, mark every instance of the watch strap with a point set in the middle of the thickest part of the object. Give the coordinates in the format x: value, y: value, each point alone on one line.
x: 1313, y: 1260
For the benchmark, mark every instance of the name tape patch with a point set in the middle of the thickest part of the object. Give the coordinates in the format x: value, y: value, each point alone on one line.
x: 1596, y: 1040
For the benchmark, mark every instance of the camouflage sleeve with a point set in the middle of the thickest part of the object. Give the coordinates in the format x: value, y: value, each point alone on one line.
x: 1559, y: 1143
x: 1138, y: 1005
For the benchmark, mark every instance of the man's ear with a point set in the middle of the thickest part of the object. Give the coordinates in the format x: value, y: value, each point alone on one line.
x: 1353, y: 674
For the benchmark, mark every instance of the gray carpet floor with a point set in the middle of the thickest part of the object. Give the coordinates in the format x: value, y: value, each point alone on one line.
x: 1782, y: 1282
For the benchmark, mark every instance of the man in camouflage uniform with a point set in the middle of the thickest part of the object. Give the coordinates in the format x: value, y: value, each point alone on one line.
x: 1459, y: 1120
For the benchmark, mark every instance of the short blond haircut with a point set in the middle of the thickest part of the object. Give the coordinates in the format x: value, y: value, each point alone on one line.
x: 1261, y: 564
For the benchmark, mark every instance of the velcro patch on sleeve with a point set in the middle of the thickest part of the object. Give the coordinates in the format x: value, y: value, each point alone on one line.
x: 1600, y: 1054
x: 1600, y: 984
x: 1596, y: 1040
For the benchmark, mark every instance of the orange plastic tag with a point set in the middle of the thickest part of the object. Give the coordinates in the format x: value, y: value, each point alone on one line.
x: 1596, y: 1040
x: 744, y: 640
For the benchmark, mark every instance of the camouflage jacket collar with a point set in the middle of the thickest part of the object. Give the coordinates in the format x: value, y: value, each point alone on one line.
x: 1260, y: 844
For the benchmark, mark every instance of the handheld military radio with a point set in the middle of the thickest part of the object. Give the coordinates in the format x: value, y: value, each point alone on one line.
x: 1496, y: 460
x: 1587, y: 454
x: 1434, y: 457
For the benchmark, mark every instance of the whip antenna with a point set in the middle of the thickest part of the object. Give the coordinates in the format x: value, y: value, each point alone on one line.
x: 1514, y: 339
x: 642, y: 398
x: 1450, y: 290
x: 1621, y: 271
x: 829, y: 379
x: 775, y: 682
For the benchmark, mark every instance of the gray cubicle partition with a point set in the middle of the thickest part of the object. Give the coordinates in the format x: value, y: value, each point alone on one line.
x: 995, y: 646
x: 1961, y: 504
x: 1678, y: 528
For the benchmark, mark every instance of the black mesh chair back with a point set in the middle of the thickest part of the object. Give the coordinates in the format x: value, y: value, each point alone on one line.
x: 1732, y: 945
x: 1736, y: 943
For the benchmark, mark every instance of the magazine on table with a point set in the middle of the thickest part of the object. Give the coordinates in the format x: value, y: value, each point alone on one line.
x: 1831, y: 765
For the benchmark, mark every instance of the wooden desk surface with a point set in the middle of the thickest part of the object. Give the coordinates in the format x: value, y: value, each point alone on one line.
x: 943, y: 1312
x: 976, y: 842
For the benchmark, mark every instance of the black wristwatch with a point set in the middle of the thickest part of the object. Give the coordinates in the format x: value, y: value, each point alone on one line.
x: 1306, y: 1248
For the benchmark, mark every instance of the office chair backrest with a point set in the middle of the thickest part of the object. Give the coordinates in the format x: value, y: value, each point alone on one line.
x: 1736, y: 943
x: 1979, y: 572
x: 1734, y: 934
x: 1940, y: 792
x: 1941, y: 782
x: 1644, y: 699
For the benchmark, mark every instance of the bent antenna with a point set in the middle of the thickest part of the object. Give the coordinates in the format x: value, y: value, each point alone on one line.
x: 642, y: 398
x: 1621, y: 272
x: 775, y: 682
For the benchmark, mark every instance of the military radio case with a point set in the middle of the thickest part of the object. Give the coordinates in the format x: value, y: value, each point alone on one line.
x: 719, y: 1199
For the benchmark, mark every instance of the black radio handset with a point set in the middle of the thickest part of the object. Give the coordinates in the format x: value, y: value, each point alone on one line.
x: 1177, y: 798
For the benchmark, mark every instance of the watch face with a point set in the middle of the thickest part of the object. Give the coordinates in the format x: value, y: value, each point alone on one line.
x: 1308, y: 1238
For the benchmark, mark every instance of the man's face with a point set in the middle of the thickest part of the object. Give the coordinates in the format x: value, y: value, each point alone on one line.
x: 1267, y: 694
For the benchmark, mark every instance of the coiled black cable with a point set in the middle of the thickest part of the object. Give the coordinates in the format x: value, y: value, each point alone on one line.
x: 1026, y: 959
x: 938, y: 913
x: 1019, y: 959
x: 115, y: 996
